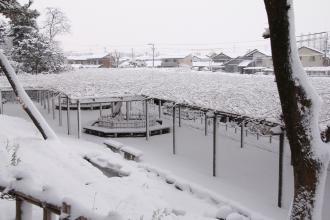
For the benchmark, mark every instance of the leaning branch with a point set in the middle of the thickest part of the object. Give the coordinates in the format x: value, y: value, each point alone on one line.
x: 24, y: 99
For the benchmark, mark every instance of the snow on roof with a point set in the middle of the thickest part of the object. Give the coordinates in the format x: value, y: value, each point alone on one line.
x: 249, y: 95
x: 256, y: 51
x: 245, y: 63
x: 80, y: 66
x: 255, y: 68
x: 174, y: 56
x: 311, y: 48
x: 87, y: 56
x: 317, y: 68
x: 74, y: 171
x: 201, y: 56
x: 157, y: 63
x: 201, y: 64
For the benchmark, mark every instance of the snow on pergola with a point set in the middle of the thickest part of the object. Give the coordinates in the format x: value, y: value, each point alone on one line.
x: 252, y: 96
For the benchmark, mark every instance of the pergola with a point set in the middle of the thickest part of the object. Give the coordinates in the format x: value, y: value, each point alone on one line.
x: 46, y: 97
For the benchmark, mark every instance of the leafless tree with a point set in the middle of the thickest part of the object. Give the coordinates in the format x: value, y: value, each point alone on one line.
x: 56, y: 23
x: 300, y: 106
x: 116, y: 55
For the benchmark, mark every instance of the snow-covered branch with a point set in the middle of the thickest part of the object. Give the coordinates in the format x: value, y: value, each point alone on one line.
x: 25, y: 100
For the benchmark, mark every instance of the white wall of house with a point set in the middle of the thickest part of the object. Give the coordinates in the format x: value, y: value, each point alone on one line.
x: 310, y: 57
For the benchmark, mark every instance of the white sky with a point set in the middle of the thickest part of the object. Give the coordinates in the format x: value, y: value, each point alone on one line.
x: 124, y: 24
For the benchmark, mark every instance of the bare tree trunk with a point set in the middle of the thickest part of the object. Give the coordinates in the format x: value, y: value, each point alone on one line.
x: 300, y: 106
x: 26, y: 102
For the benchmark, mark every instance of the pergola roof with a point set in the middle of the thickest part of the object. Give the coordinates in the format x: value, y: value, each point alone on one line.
x: 246, y: 95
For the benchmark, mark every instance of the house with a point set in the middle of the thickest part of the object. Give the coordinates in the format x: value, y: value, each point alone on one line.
x: 253, y: 58
x: 311, y: 57
x: 221, y: 58
x: 102, y: 60
x: 201, y: 62
x: 176, y: 60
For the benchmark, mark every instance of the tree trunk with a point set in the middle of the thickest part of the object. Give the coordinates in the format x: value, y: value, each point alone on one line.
x: 300, y: 106
x: 26, y: 102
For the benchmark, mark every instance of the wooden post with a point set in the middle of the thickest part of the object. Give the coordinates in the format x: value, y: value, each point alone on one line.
x: 38, y: 96
x: 19, y: 209
x: 173, y: 115
x: 101, y: 108
x: 160, y: 109
x: 46, y: 214
x: 53, y: 106
x: 45, y: 99
x: 205, y: 122
x: 215, y: 119
x: 48, y: 103
x: 179, y: 108
x: 41, y: 98
x: 79, y: 118
x: 280, y: 170
x: 147, y: 119
x: 65, y: 211
x: 127, y: 111
x: 68, y: 113
x: 242, y: 133
x: 60, y: 110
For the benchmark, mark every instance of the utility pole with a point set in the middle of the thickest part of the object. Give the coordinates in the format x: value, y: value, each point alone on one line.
x: 327, y: 63
x: 153, y: 54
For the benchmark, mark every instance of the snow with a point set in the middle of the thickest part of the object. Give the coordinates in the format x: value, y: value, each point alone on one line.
x: 201, y: 64
x: 132, y: 150
x: 156, y: 63
x: 87, y: 56
x: 25, y: 100
x: 114, y: 143
x: 245, y: 63
x: 247, y: 176
x: 249, y: 95
x: 224, y: 211
x: 90, y: 193
x: 79, y: 66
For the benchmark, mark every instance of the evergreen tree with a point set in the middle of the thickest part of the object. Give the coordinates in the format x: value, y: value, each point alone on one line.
x: 3, y: 32
x: 23, y: 22
x: 38, y: 55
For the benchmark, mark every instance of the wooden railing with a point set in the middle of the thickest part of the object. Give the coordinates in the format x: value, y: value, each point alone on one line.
x: 49, y: 210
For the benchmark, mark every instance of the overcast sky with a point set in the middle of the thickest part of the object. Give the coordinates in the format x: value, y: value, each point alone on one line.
x: 176, y: 23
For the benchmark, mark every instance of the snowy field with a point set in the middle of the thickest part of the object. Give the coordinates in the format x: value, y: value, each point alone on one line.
x: 245, y: 177
x: 248, y: 95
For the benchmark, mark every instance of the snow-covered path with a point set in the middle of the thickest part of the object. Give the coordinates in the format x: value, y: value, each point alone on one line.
x: 247, y: 176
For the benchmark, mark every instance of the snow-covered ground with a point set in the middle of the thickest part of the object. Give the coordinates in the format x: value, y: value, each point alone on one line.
x: 56, y: 171
x: 246, y: 177
x: 249, y: 95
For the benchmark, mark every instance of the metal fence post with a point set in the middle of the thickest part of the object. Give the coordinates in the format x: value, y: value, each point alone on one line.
x: 79, y: 118
x: 214, y: 144
x: 147, y: 119
x: 68, y: 113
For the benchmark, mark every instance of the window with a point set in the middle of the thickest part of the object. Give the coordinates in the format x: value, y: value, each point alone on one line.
x: 312, y: 58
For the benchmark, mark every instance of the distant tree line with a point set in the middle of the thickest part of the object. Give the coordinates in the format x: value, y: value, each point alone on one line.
x: 32, y: 49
